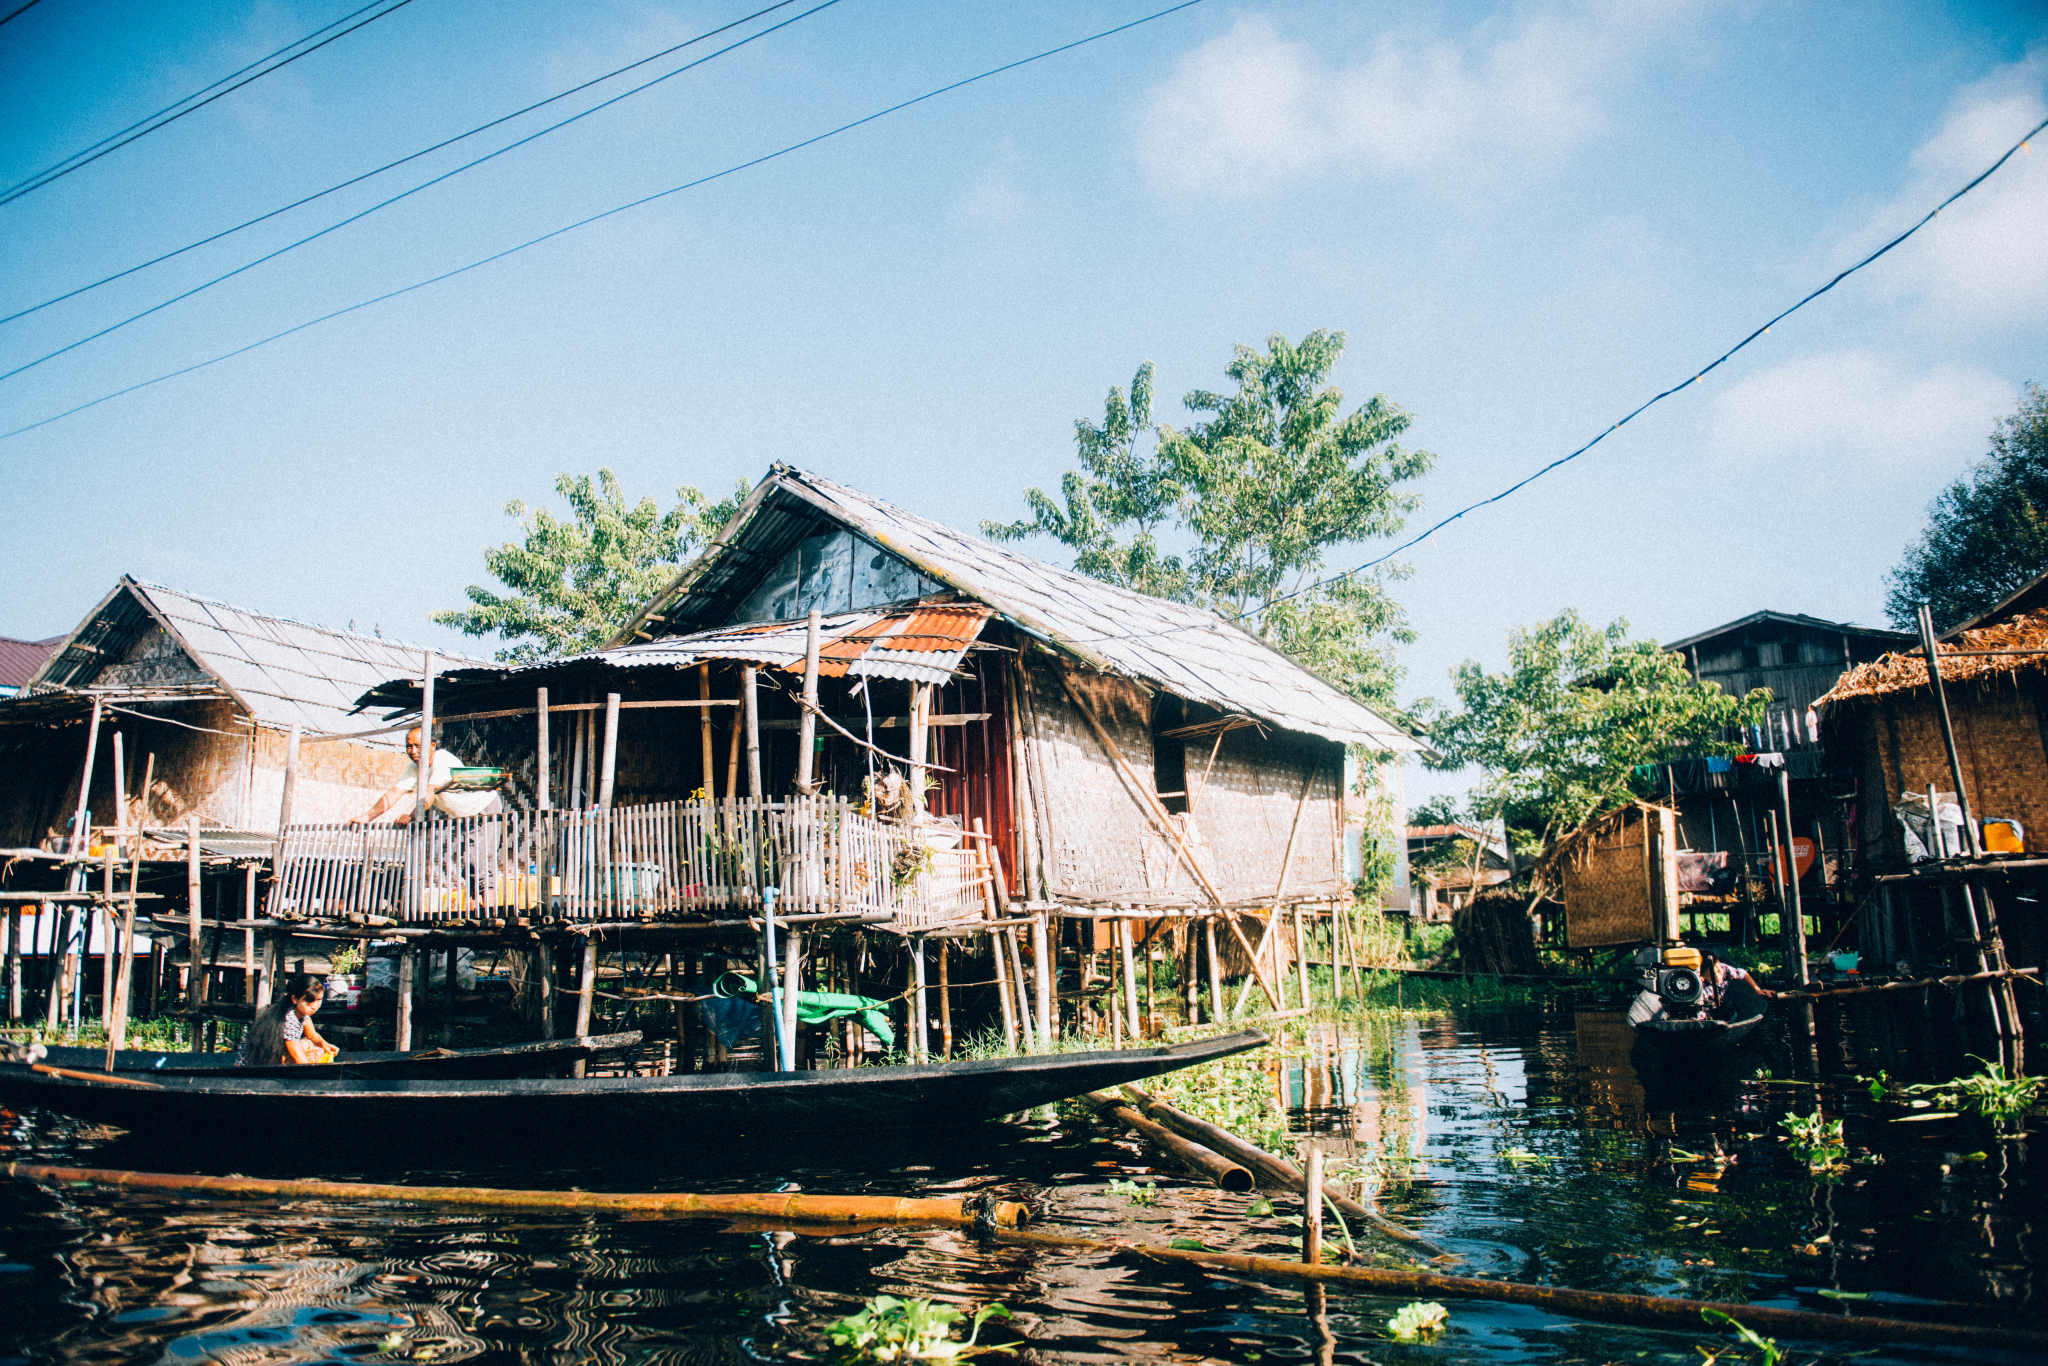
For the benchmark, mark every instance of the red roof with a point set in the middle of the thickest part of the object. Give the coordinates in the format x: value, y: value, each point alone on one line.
x: 19, y: 659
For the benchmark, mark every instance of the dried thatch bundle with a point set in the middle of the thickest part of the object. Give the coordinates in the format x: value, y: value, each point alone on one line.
x: 1902, y: 672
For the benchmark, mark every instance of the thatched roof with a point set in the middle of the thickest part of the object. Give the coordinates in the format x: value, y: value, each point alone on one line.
x: 1896, y: 673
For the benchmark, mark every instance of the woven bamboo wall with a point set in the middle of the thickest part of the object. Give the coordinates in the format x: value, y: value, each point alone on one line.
x: 1616, y: 883
x: 2001, y: 739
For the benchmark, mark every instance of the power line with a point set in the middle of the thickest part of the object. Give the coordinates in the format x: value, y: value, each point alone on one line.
x: 107, y: 144
x: 407, y: 194
x: 1702, y: 373
x: 17, y: 13
x: 608, y: 213
x: 392, y: 165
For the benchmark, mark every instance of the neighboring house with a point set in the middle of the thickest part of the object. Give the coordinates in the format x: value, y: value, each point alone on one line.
x: 1118, y: 749
x: 213, y: 692
x: 1883, y: 726
x: 1793, y: 657
x: 1452, y: 864
x: 19, y: 660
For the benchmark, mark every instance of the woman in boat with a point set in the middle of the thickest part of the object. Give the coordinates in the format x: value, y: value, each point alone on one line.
x: 1720, y: 979
x: 283, y: 1031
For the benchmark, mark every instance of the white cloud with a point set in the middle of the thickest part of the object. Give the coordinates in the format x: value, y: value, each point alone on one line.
x: 1984, y: 261
x: 1872, y: 410
x: 1251, y: 111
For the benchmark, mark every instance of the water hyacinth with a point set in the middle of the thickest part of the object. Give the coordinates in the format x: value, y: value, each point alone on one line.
x: 1418, y: 1321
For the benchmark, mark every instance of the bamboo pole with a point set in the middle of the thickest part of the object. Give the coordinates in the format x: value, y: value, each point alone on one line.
x: 1276, y: 1170
x: 542, y: 798
x: 945, y: 1005
x: 586, y: 989
x: 920, y: 1011
x: 732, y: 755
x: 1003, y: 996
x: 1218, y: 1170
x: 807, y: 728
x: 1649, y: 1310
x: 792, y: 984
x: 751, y: 705
x: 1301, y: 955
x: 1041, y: 964
x: 1130, y: 963
x: 78, y: 817
x: 609, y: 769
x: 249, y: 969
x: 1215, y: 970
x: 403, y: 1043
x: 196, y: 985
x: 793, y: 1206
x: 704, y: 732
x: 423, y: 781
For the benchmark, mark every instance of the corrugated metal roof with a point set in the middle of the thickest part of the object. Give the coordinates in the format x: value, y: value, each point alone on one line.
x: 1188, y: 651
x: 923, y: 643
x: 278, y: 669
x: 19, y: 659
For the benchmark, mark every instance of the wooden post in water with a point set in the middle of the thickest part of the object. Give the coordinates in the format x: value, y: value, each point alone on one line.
x: 448, y: 998
x: 586, y: 981
x: 1795, y: 932
x: 1301, y: 954
x: 1042, y: 974
x: 542, y: 798
x: 1123, y: 939
x: 15, y: 916
x: 403, y: 1043
x: 807, y: 727
x: 196, y: 984
x: 544, y: 984
x: 609, y: 769
x: 1216, y: 1015
x: 792, y: 983
x: 750, y: 705
x: 1312, y: 1205
x: 1003, y: 996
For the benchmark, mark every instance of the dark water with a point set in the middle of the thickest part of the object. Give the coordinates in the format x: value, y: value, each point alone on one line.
x: 1528, y: 1141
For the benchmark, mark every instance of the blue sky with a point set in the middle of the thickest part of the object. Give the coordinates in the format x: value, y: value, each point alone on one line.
x: 1528, y: 217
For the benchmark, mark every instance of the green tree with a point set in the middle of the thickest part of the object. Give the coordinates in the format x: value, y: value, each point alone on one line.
x: 1263, y: 486
x: 574, y: 583
x: 1556, y: 734
x: 1987, y: 533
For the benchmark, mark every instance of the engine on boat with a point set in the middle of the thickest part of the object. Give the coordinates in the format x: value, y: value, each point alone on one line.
x: 1673, y: 974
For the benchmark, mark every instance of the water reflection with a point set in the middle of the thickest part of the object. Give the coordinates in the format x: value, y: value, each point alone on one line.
x: 1537, y: 1144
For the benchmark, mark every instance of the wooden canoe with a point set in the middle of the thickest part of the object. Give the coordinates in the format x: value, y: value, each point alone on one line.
x: 712, y: 1106
x: 514, y: 1060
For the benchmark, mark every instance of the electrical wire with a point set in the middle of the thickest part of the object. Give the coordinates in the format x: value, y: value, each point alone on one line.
x: 1636, y: 412
x: 58, y: 170
x: 607, y: 213
x: 1699, y: 375
x: 393, y: 165
x: 17, y: 13
x: 407, y: 194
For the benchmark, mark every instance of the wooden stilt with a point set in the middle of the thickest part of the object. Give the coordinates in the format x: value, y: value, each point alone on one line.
x: 403, y: 1043
x: 732, y: 754
x: 807, y: 726
x: 1027, y: 1022
x: 920, y: 1010
x: 448, y: 997
x: 543, y: 775
x: 250, y: 970
x: 1003, y: 996
x: 750, y: 707
x: 704, y: 732
x: 1215, y: 970
x: 945, y: 1004
x: 609, y: 771
x: 1042, y: 975
x: 1130, y: 978
x: 1301, y: 955
x: 586, y: 987
x: 196, y: 988
x: 16, y: 920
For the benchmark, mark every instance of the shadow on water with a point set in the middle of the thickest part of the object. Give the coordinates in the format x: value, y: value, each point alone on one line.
x: 1538, y: 1143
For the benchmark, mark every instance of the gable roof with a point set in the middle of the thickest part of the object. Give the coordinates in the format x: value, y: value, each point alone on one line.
x: 278, y: 670
x: 1790, y: 619
x: 1188, y: 651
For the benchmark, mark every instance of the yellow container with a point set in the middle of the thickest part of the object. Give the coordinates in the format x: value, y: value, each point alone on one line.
x: 1682, y: 956
x: 2004, y: 836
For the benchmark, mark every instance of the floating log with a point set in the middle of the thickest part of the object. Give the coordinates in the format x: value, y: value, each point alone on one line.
x: 1649, y: 1310
x: 794, y: 1206
x: 1277, y: 1170
x: 1220, y: 1171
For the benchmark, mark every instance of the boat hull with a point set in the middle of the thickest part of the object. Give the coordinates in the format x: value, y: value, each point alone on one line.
x: 1648, y: 1017
x: 516, y: 1060
x: 847, y: 1101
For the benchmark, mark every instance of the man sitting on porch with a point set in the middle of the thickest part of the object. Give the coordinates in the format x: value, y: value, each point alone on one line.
x: 442, y: 794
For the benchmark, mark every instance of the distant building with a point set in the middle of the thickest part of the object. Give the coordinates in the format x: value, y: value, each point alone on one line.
x: 1795, y: 658
x: 19, y: 660
x: 1445, y: 883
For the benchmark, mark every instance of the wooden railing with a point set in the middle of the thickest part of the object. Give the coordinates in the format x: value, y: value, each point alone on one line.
x: 668, y: 861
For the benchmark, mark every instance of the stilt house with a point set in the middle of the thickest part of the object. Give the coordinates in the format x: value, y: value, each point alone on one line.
x: 1111, y: 750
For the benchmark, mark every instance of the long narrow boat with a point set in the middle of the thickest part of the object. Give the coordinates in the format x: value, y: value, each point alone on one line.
x: 706, y: 1105
x: 546, y: 1057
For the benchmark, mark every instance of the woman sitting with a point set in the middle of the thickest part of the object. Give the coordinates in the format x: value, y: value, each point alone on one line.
x: 283, y: 1032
